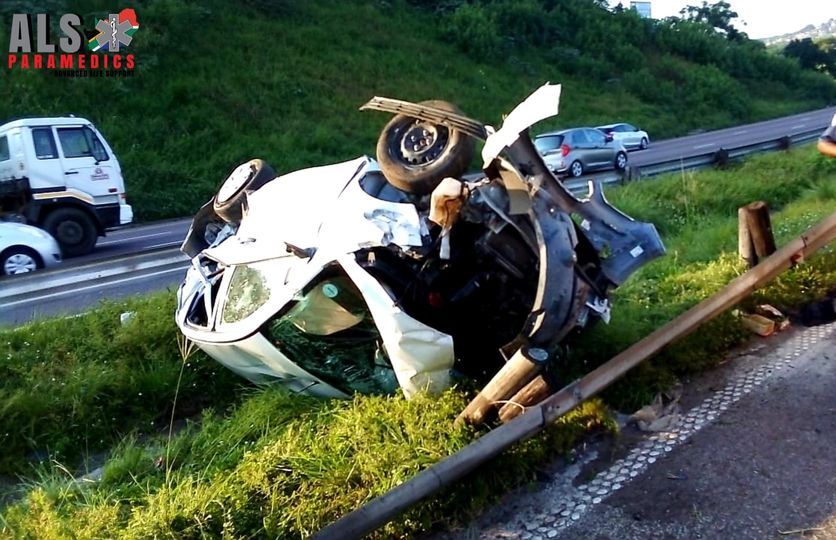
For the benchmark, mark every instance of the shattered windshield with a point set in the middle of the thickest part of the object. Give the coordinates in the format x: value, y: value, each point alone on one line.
x: 331, y: 334
x: 248, y: 290
x: 252, y: 289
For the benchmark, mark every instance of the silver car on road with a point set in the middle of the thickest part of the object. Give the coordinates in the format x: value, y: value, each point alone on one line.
x: 577, y: 151
x: 24, y: 249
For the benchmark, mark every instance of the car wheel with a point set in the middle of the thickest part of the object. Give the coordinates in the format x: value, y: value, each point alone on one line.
x: 576, y: 169
x: 643, y: 143
x: 74, y: 230
x: 246, y: 178
x: 19, y: 260
x: 415, y: 155
x: 620, y: 161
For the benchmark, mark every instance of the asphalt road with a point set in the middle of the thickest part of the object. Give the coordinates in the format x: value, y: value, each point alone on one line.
x: 78, y: 299
x: 737, y: 136
x: 136, y: 239
x: 750, y: 457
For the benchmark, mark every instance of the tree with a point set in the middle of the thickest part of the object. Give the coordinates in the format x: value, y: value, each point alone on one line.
x: 820, y: 56
x: 718, y: 16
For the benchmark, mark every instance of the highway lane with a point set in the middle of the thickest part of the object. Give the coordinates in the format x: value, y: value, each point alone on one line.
x: 709, y: 141
x: 79, y: 299
x: 136, y: 239
x: 160, y: 239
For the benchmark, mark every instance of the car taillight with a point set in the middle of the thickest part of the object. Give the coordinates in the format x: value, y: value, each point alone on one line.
x: 564, y: 150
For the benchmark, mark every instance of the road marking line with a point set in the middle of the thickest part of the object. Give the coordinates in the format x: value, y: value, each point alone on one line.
x: 166, y: 244
x: 120, y: 240
x: 799, y: 126
x: 741, y: 132
x: 704, y: 145
x: 97, y: 285
x: 573, y: 503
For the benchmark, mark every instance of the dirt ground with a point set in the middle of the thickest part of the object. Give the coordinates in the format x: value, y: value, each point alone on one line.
x: 752, y: 456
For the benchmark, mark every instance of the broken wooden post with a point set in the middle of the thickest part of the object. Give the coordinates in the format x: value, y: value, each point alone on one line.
x: 745, y: 248
x: 531, y: 394
x: 760, y: 228
x: 516, y: 373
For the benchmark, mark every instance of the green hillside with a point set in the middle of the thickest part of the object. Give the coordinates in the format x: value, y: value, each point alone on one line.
x: 219, y: 82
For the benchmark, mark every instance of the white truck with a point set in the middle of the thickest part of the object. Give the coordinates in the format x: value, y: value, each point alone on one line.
x: 60, y: 174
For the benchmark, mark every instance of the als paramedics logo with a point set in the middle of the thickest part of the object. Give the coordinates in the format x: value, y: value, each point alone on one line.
x: 115, y: 30
x: 105, y: 43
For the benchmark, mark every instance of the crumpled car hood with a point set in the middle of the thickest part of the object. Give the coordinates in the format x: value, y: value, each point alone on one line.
x: 323, y: 208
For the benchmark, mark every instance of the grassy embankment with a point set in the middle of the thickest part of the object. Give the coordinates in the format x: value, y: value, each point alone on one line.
x: 220, y: 82
x: 260, y: 463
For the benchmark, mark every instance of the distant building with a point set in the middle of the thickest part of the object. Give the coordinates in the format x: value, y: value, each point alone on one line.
x: 642, y: 8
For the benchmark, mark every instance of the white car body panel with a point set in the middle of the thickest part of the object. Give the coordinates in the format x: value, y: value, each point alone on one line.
x: 323, y: 208
x: 541, y: 104
x: 18, y: 234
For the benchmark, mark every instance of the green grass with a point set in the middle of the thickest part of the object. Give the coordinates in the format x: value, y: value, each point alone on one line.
x: 266, y: 464
x: 219, y: 83
x: 76, y: 385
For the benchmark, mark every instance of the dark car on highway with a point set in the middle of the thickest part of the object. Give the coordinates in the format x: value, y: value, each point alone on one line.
x: 578, y: 150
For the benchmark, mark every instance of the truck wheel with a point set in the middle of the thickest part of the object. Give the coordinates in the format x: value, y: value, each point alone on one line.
x: 246, y: 178
x: 415, y: 155
x: 73, y: 229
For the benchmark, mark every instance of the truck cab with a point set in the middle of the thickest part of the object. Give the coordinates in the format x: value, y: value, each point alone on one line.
x: 61, y: 175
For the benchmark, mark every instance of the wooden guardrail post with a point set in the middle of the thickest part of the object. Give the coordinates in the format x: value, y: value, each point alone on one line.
x: 755, y: 239
x: 745, y: 247
x: 760, y: 228
x: 515, y: 374
x: 532, y: 393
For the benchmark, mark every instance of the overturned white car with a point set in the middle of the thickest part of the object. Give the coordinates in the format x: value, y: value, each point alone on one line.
x: 369, y: 276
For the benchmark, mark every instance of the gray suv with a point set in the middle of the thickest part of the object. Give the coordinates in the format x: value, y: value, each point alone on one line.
x: 575, y: 151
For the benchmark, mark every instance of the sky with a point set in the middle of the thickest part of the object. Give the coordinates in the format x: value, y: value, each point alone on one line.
x: 763, y: 18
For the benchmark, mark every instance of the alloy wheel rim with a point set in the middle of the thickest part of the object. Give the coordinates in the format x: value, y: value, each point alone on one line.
x: 622, y: 161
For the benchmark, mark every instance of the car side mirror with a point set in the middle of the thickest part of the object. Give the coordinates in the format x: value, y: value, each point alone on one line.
x: 608, y: 137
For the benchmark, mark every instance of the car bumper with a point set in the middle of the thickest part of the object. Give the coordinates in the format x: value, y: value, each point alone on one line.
x: 51, y: 258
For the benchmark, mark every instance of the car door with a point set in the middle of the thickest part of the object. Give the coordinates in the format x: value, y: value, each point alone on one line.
x: 579, y: 148
x: 87, y: 164
x: 39, y: 152
x: 600, y: 150
x: 631, y: 137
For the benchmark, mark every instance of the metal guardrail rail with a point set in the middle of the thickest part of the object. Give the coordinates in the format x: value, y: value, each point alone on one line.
x: 721, y: 156
x: 42, y: 283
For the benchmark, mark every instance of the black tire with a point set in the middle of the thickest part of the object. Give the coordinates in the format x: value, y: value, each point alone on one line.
x: 576, y: 169
x: 14, y: 255
x: 620, y: 161
x: 246, y: 178
x: 440, y: 152
x: 643, y: 143
x: 73, y: 229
